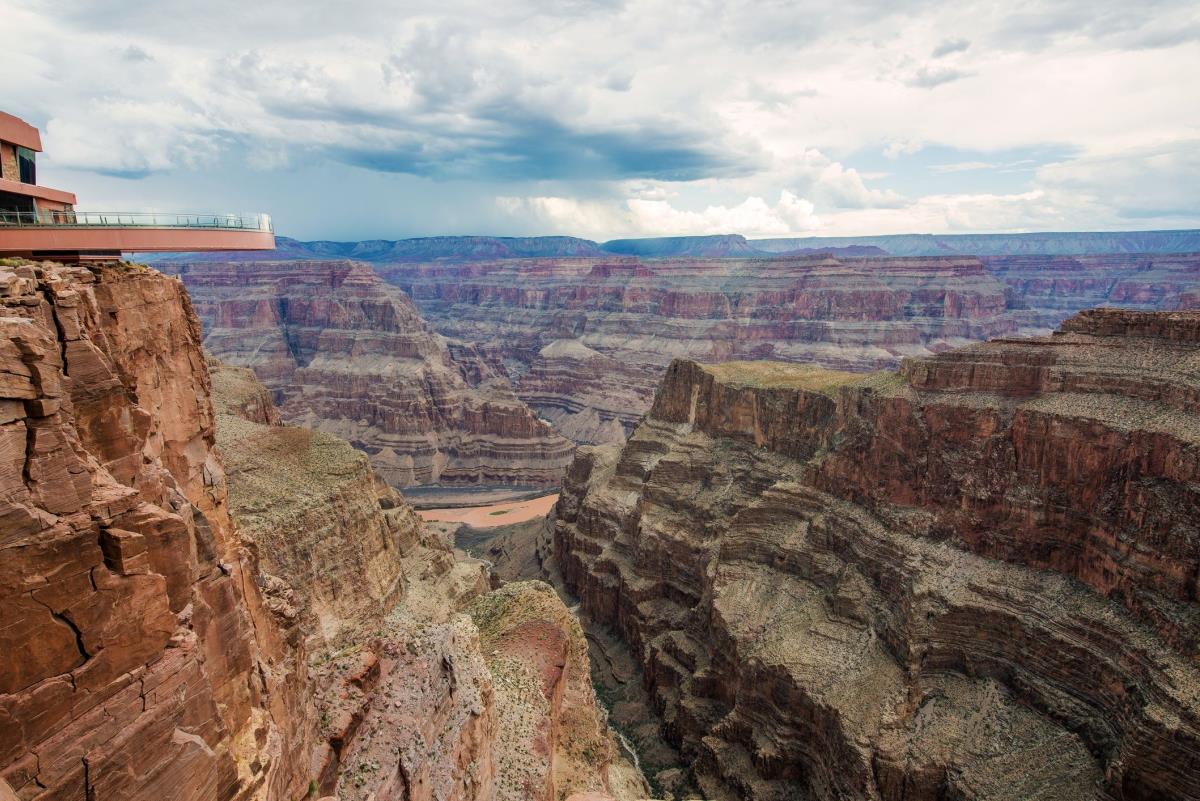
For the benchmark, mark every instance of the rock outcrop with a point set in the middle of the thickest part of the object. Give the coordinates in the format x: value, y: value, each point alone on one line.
x: 556, y: 739
x: 973, y: 578
x: 141, y: 660
x: 344, y: 353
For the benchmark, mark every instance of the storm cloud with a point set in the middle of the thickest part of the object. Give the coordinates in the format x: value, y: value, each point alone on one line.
x: 614, y: 116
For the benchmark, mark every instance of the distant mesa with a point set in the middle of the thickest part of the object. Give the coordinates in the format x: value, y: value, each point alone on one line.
x: 487, y: 248
x: 701, y: 246
x: 1033, y: 244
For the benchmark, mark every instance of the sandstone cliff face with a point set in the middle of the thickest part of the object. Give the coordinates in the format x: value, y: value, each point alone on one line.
x: 586, y: 340
x: 975, y: 578
x: 344, y: 353
x: 148, y: 666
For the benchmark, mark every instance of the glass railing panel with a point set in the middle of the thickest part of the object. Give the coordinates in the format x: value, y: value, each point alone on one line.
x: 139, y: 219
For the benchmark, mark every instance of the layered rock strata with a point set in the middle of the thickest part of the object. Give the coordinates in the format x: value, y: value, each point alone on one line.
x: 592, y: 336
x: 344, y: 353
x: 1044, y: 290
x: 974, y: 578
x: 148, y: 666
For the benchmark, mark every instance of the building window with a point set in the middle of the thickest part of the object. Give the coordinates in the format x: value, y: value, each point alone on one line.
x: 26, y: 164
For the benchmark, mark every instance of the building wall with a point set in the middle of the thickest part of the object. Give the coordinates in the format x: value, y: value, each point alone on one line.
x: 8, y: 161
x: 51, y: 205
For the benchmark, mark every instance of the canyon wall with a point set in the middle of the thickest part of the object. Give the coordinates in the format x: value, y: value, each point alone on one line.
x: 978, y: 577
x: 141, y: 662
x: 344, y: 353
x: 591, y: 337
x: 585, y: 341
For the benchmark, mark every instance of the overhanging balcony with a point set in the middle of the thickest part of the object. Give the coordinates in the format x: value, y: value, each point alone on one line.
x: 107, y: 233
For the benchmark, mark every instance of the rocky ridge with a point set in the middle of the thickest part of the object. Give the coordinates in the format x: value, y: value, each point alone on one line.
x: 973, y: 578
x: 344, y: 353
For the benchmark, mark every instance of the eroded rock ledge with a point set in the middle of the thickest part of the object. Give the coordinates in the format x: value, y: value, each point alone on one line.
x: 973, y: 578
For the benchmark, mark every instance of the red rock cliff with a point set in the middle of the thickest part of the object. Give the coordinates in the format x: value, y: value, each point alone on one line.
x: 974, y: 578
x: 148, y: 666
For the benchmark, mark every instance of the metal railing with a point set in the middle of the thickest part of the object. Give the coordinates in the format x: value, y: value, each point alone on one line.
x: 135, y: 219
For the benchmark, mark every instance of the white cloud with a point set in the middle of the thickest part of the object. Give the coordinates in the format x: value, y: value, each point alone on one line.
x: 1151, y: 182
x: 645, y: 217
x: 961, y: 166
x: 902, y: 147
x: 844, y: 187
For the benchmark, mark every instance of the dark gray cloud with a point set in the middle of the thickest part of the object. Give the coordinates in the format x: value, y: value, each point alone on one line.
x: 929, y: 76
x: 522, y: 146
x: 1148, y: 24
x: 949, y: 46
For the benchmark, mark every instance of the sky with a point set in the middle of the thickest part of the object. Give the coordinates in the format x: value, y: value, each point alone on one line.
x: 606, y: 119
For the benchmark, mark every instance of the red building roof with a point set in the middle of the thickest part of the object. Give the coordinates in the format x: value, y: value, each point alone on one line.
x: 16, y: 130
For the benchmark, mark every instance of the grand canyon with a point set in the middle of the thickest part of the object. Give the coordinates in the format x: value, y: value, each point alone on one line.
x: 838, y: 550
x: 605, y: 400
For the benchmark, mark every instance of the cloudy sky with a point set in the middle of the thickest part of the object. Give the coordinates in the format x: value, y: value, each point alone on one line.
x: 603, y: 118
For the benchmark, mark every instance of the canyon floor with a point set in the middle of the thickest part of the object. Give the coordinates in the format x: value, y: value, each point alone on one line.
x: 494, y: 514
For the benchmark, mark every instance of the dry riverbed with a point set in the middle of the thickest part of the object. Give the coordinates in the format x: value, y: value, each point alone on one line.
x: 496, y: 514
